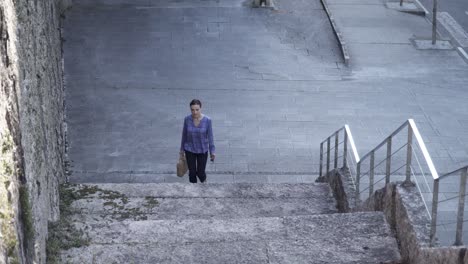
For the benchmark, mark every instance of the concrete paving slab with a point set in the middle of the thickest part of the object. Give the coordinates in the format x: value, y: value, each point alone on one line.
x: 125, y: 112
x: 384, y: 35
x: 425, y: 44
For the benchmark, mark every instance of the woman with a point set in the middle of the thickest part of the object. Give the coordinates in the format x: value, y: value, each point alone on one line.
x: 197, y: 140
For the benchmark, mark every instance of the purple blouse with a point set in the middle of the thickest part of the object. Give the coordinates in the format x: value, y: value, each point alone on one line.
x: 197, y: 139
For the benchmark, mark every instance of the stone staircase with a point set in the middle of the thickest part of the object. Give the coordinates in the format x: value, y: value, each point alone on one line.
x: 223, y: 223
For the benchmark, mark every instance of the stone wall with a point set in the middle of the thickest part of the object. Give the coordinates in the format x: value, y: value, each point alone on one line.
x: 32, y: 127
x: 342, y: 188
x: 404, y: 210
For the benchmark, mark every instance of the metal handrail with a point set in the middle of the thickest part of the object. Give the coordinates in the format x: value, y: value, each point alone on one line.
x: 451, y: 198
x: 453, y: 172
x: 422, y: 145
x: 382, y: 161
x: 419, y: 140
x: 413, y: 133
x: 394, y: 133
x: 348, y: 137
x: 461, y: 205
x: 351, y: 142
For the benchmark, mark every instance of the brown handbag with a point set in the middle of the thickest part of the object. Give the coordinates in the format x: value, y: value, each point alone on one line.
x: 182, y: 167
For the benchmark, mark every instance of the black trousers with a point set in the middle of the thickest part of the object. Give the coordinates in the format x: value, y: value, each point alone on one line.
x: 196, y: 164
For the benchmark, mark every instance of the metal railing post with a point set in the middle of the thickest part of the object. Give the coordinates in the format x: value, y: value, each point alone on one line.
x: 358, y: 181
x: 371, y: 174
x: 435, y: 203
x: 388, y: 165
x: 461, y: 208
x: 335, y: 165
x: 328, y: 155
x: 409, y: 155
x: 321, y: 159
x: 345, y: 149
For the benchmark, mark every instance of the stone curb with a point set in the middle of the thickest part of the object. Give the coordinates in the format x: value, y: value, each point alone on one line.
x: 419, y: 5
x: 420, y: 11
x: 443, y: 31
x: 463, y: 54
x: 336, y: 30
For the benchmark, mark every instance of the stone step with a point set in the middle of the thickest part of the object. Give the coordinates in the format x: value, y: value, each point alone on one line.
x: 194, y: 201
x: 336, y: 238
x: 209, y: 190
x: 160, y: 4
x: 213, y: 177
x: 194, y: 208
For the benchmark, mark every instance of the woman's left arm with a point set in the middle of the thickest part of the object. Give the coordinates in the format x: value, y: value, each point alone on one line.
x: 210, y: 138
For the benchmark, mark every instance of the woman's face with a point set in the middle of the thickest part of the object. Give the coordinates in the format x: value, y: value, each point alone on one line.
x: 196, y: 110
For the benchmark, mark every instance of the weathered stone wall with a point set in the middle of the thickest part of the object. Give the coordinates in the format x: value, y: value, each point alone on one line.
x: 404, y: 210
x: 342, y: 188
x: 31, y: 126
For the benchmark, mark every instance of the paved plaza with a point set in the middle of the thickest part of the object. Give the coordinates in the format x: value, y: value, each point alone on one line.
x: 273, y: 81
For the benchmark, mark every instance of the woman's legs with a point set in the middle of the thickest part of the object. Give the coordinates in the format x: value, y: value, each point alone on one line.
x: 201, y: 165
x: 196, y: 164
x: 192, y: 166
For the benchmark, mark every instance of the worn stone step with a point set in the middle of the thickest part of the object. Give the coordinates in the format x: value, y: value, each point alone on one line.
x: 213, y: 177
x: 210, y: 190
x: 182, y: 201
x: 335, y: 238
x: 213, y: 230
x: 183, y: 208
x: 159, y: 4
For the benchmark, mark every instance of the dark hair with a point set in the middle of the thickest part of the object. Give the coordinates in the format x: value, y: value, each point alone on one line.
x: 195, y: 102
